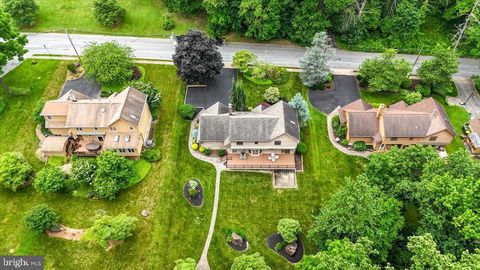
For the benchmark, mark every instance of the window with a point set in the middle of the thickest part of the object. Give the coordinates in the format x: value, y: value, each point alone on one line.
x: 393, y: 139
x: 131, y: 128
x: 433, y: 138
x: 116, y: 138
x: 127, y: 138
x: 100, y: 138
x: 277, y: 143
x: 95, y: 128
x: 49, y: 117
x: 256, y: 142
x: 79, y: 128
x: 113, y: 128
x: 286, y: 151
x: 411, y: 138
x: 239, y: 143
x: 256, y: 152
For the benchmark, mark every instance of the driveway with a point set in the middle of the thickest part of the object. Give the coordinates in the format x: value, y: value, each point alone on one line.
x: 218, y: 90
x: 465, y: 90
x: 84, y: 85
x: 344, y: 92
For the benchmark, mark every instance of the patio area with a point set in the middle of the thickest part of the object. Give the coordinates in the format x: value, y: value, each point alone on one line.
x: 285, y: 161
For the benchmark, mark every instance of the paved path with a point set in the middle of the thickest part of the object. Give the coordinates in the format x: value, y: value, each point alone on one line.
x: 219, y: 167
x: 465, y: 88
x: 163, y: 49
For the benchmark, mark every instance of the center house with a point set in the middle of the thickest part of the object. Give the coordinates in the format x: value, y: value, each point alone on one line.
x: 264, y: 138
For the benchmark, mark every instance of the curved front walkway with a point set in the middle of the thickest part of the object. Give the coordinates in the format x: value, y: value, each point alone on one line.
x: 331, y: 136
x: 219, y: 167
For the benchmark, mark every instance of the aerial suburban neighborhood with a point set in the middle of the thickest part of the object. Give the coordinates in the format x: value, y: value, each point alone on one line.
x: 241, y: 135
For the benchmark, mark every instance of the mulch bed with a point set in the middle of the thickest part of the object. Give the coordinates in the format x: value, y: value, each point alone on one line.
x: 243, y: 247
x: 196, y: 201
x: 275, y: 238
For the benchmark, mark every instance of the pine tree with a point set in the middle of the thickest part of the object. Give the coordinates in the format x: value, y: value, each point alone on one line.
x: 238, y: 97
x: 314, y: 62
x: 299, y: 103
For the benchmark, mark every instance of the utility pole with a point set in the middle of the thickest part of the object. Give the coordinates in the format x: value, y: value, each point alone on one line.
x: 416, y: 61
x: 458, y: 37
x: 75, y: 49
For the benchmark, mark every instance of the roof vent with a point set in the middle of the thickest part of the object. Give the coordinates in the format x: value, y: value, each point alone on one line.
x: 293, y: 123
x: 133, y: 116
x: 103, y: 110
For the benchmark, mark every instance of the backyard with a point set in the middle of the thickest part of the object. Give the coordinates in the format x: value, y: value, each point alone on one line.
x: 143, y: 18
x: 173, y: 230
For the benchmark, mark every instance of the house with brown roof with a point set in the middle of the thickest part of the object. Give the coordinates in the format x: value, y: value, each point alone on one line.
x: 400, y: 124
x: 265, y: 138
x: 84, y: 126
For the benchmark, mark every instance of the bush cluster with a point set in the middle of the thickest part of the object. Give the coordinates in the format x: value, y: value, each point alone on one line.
x: 50, y: 179
x: 272, y: 95
x: 187, y: 111
x: 23, y: 12
x: 339, y: 129
x: 302, y: 148
x: 151, y: 155
x: 359, y: 146
x: 40, y: 218
x: 168, y: 23
x: 108, y: 12
x: 14, y: 170
x: 221, y: 152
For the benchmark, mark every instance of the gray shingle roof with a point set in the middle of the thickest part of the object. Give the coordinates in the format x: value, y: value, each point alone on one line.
x: 258, y: 128
x: 133, y: 106
x: 213, y: 127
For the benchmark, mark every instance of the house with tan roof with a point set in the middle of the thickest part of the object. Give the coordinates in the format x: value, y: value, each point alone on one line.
x: 265, y: 138
x: 84, y: 126
x: 400, y: 124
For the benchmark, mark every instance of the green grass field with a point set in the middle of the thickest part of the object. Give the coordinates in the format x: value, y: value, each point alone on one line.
x: 173, y: 230
x: 143, y: 18
x: 249, y: 202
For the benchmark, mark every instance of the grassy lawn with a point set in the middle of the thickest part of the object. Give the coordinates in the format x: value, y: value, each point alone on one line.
x: 143, y: 18
x: 173, y: 230
x: 377, y: 98
x: 248, y: 200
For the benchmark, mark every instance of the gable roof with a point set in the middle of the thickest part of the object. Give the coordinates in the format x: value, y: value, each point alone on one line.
x: 363, y: 124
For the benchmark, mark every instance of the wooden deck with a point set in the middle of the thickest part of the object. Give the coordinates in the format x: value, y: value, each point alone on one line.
x: 285, y: 161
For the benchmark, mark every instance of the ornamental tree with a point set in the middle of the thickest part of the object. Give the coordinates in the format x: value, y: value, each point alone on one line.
x: 289, y: 228
x: 197, y: 58
x: 253, y: 261
x: 272, y: 95
x: 314, y: 62
x: 14, y: 170
x: 24, y: 12
x: 12, y: 44
x: 437, y: 72
x: 109, y: 62
x: 113, y: 174
x: 108, y: 12
x: 154, y: 98
x: 359, y: 210
x: 342, y: 254
x: 185, y: 264
x: 385, y: 73
x: 50, y: 179
x: 242, y: 59
x: 301, y: 105
x: 109, y: 228
x: 238, y: 98
x: 40, y: 218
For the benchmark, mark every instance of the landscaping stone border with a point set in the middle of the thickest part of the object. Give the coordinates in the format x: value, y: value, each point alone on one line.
x: 275, y: 238
x: 196, y: 201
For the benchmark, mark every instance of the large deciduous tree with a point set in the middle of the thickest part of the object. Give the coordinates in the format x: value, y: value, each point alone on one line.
x: 314, y: 62
x: 261, y: 17
x: 385, y: 73
x: 109, y: 228
x: 24, y: 12
x: 109, y: 63
x: 437, y: 72
x: 253, y: 261
x: 223, y: 16
x: 359, y: 210
x: 50, y: 179
x: 307, y: 20
x: 342, y: 254
x: 197, y: 58
x: 108, y: 12
x: 14, y: 170
x: 12, y: 44
x: 113, y: 174
x: 183, y: 6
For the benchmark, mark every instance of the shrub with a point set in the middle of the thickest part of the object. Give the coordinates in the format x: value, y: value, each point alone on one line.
x: 36, y: 113
x: 24, y: 12
x: 192, y: 192
x: 108, y: 12
x: 151, y: 155
x: 50, y: 179
x: 40, y: 218
x: 187, y: 111
x: 272, y: 95
x: 84, y: 170
x: 14, y: 170
x: 136, y: 74
x: 193, y: 183
x: 320, y: 86
x: 279, y: 246
x: 242, y: 59
x: 109, y: 62
x: 411, y: 97
x: 329, y: 78
x: 154, y: 98
x: 207, y: 151
x: 359, y: 77
x: 252, y: 261
x: 289, y: 228
x: 168, y: 23
x: 202, y: 149
x: 423, y: 89
x: 111, y: 228
x: 195, y: 146
x: 185, y: 264
x: 363, y: 83
x: 265, y: 71
x: 114, y: 172
x: 359, y: 146
x: 335, y: 122
x: 20, y: 91
x: 406, y: 84
x: 344, y: 142
x: 302, y: 148
x: 71, y: 67
x: 341, y: 131
x: 221, y: 152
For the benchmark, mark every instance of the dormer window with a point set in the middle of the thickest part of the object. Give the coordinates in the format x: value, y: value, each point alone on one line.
x: 127, y: 138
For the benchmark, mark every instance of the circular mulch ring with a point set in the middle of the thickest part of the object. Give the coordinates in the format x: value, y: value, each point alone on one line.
x: 275, y: 238
x: 196, y: 201
x: 243, y: 247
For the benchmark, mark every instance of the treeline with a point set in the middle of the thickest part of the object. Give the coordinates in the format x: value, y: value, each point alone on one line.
x: 397, y: 23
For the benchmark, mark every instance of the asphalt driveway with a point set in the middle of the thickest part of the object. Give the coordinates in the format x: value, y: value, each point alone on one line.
x: 218, y: 90
x: 84, y: 85
x: 344, y: 92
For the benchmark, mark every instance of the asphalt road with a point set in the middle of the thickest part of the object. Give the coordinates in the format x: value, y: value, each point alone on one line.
x: 162, y: 49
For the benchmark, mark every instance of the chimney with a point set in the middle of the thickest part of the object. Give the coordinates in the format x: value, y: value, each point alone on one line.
x: 230, y: 108
x: 380, y: 110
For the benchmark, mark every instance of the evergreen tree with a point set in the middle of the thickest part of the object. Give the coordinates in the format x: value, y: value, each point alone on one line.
x: 239, y: 102
x: 299, y: 103
x: 314, y: 62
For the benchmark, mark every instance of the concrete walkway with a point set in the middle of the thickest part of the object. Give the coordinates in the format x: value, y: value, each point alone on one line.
x: 466, y: 88
x: 219, y: 167
x: 331, y: 136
